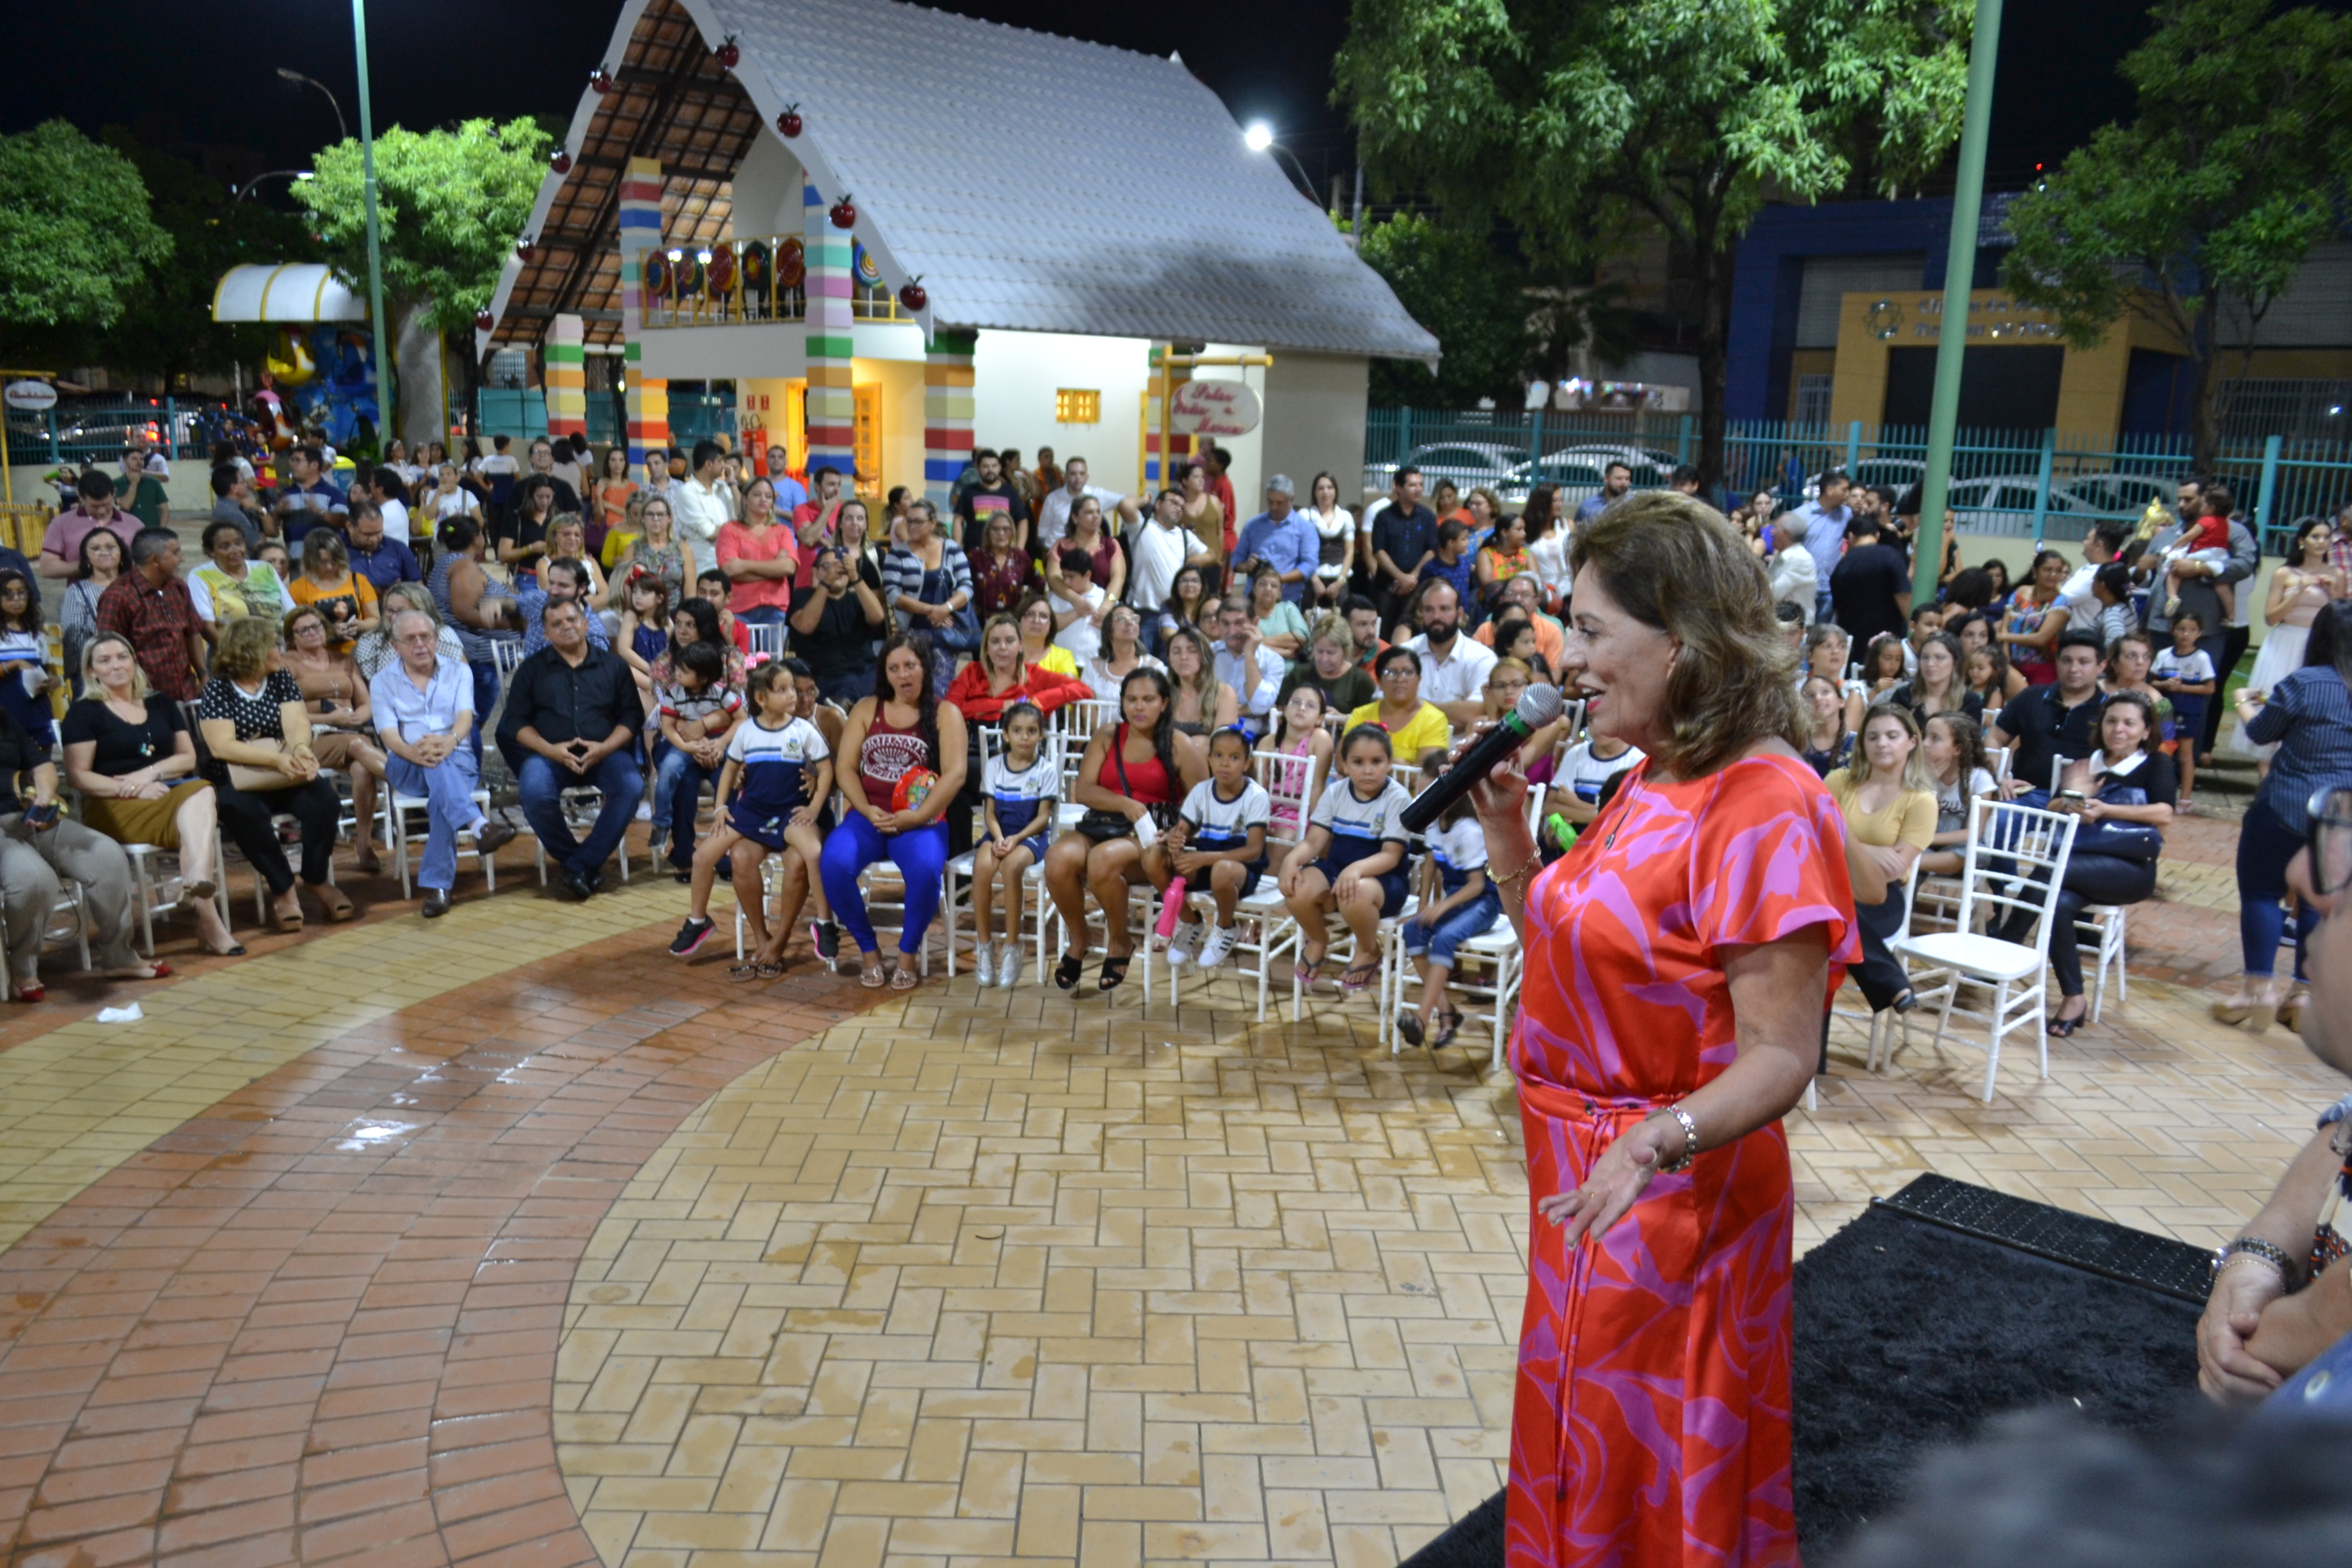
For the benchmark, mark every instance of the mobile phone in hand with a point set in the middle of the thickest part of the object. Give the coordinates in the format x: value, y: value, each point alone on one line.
x: 41, y: 817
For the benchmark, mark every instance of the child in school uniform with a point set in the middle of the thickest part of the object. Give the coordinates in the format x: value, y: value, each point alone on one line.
x: 1457, y: 902
x: 2184, y: 672
x: 1019, y: 791
x: 1219, y: 842
x: 1353, y: 859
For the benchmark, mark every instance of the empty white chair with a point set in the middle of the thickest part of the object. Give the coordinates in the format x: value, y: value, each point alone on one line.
x: 2016, y: 863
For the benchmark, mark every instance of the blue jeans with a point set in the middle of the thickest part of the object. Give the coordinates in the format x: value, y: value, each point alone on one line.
x: 485, y: 698
x: 2265, y: 845
x: 541, y: 783
x: 845, y: 690
x: 921, y: 854
x: 678, y: 794
x: 761, y: 615
x: 449, y: 789
x: 1453, y: 928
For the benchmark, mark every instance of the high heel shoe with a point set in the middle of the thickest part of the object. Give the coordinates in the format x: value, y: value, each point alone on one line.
x: 2290, y: 1013
x: 2258, y: 1020
x: 2230, y: 1012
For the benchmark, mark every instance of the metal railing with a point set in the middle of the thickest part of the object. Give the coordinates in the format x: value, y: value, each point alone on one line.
x: 98, y: 429
x: 2038, y: 485
x: 735, y: 282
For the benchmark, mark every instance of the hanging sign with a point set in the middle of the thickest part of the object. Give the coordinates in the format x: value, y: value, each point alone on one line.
x: 1213, y: 408
x: 30, y: 396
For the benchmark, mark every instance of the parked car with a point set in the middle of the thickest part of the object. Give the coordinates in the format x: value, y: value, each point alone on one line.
x: 1469, y: 464
x: 2124, y: 497
x: 1897, y: 474
x: 2003, y: 504
x: 1576, y: 472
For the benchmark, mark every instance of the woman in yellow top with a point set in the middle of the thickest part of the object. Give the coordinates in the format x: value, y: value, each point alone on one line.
x: 1413, y: 726
x: 326, y: 581
x: 1037, y: 644
x: 1889, y: 800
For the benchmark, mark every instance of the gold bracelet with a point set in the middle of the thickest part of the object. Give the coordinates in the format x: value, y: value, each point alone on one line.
x: 1534, y: 860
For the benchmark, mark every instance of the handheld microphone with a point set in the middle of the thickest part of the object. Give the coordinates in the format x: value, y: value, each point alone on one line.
x: 1538, y: 706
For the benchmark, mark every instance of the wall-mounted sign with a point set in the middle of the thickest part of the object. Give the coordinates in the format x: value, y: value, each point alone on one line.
x: 30, y: 396
x: 1213, y: 408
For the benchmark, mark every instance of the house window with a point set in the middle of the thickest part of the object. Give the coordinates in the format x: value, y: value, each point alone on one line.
x: 1813, y: 399
x: 1074, y: 407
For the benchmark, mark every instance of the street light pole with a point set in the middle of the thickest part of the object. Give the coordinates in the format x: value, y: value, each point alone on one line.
x: 343, y: 132
x: 1959, y: 278
x: 384, y: 373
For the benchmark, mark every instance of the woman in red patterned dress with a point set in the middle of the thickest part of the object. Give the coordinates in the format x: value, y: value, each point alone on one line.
x: 1679, y: 961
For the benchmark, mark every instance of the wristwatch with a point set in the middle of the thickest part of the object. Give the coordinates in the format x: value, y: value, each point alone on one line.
x: 2277, y: 1257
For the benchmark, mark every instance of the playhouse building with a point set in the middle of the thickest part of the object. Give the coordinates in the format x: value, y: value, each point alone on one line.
x: 748, y: 188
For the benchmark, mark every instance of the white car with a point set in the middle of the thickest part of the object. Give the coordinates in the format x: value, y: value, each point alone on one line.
x: 1469, y: 464
x: 2123, y: 497
x: 2003, y: 504
x: 1576, y: 472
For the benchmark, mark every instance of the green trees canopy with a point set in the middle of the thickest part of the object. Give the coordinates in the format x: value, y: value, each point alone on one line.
x: 1577, y: 119
x: 451, y: 204
x: 1454, y: 284
x: 76, y: 239
x: 2197, y: 213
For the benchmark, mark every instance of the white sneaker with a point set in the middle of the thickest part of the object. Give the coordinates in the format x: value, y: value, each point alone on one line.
x: 1220, y: 947
x: 983, y: 963
x: 1008, y: 964
x: 1185, y: 946
x: 645, y: 811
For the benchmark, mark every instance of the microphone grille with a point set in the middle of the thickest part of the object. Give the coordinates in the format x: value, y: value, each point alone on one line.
x: 1540, y: 705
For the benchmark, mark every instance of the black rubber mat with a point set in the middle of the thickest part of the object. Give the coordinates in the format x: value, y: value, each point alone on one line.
x: 2102, y: 1247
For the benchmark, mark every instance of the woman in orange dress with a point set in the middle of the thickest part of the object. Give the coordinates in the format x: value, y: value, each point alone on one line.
x: 1679, y: 961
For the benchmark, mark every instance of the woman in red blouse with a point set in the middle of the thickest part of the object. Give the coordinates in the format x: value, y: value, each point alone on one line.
x: 1001, y: 570
x: 1680, y: 959
x: 1001, y: 676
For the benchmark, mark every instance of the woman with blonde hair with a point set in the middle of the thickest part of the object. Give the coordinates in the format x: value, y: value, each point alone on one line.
x: 1680, y: 957
x: 129, y: 753
x: 345, y: 599
x: 256, y: 726
x: 1200, y: 702
x: 1888, y: 797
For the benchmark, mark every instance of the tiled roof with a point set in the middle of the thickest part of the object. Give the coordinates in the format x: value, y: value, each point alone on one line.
x: 1137, y: 211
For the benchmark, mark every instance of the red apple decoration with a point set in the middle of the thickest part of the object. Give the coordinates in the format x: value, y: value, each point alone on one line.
x: 484, y: 320
x: 525, y: 249
x: 600, y: 81
x: 914, y: 296
x: 562, y: 160
x: 727, y: 54
x: 789, y: 121
x: 844, y: 214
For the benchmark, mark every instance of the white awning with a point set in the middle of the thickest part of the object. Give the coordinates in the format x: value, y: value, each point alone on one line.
x: 293, y: 292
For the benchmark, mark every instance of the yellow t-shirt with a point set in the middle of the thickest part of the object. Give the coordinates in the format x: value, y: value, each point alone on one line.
x: 343, y: 604
x: 1057, y: 660
x: 1909, y: 818
x: 1426, y: 729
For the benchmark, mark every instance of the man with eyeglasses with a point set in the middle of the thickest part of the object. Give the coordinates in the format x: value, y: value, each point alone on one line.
x: 424, y: 711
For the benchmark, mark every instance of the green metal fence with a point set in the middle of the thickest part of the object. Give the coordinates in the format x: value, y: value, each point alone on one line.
x: 2053, y: 485
x: 96, y: 431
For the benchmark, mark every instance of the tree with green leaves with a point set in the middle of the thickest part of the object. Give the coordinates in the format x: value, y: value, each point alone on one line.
x: 75, y: 239
x: 450, y: 204
x: 1456, y: 286
x: 2197, y: 214
x: 1581, y: 121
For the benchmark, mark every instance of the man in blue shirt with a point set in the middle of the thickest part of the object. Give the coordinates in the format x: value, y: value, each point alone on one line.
x: 309, y: 500
x: 1616, y: 479
x: 380, y: 559
x: 561, y: 580
x: 1824, y: 524
x: 1280, y: 537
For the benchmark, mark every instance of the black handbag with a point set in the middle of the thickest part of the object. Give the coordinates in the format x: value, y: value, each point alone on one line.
x: 1101, y: 827
x: 962, y: 634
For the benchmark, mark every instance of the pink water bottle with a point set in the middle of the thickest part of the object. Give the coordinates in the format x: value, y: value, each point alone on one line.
x: 1172, y: 904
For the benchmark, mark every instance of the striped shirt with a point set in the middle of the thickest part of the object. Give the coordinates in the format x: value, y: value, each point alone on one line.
x: 2309, y: 714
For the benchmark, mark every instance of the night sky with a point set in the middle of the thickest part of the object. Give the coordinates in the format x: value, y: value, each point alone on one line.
x: 213, y: 65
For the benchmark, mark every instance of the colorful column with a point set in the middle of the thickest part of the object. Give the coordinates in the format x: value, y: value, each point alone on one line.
x: 647, y: 402
x: 946, y: 412
x: 831, y: 406
x: 565, y: 373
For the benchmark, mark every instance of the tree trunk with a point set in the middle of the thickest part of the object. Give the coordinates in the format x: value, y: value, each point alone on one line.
x: 1714, y: 271
x: 2204, y: 425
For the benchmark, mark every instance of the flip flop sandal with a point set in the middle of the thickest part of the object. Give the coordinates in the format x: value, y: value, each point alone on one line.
x: 740, y: 972
x: 1311, y: 969
x: 1449, y: 1024
x: 1350, y: 985
x: 872, y: 977
x: 1409, y: 1025
x: 904, y: 978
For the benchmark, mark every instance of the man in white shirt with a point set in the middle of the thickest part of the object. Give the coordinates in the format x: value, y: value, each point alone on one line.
x: 1053, y: 511
x: 2103, y: 544
x: 1079, y: 607
x: 701, y: 508
x: 1159, y: 546
x: 1453, y: 669
x: 1252, y: 670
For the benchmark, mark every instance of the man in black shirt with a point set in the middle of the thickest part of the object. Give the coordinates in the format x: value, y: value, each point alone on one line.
x: 1870, y: 587
x: 542, y: 463
x: 1404, y: 536
x: 834, y: 622
x: 994, y: 493
x: 572, y: 714
x: 2046, y: 722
